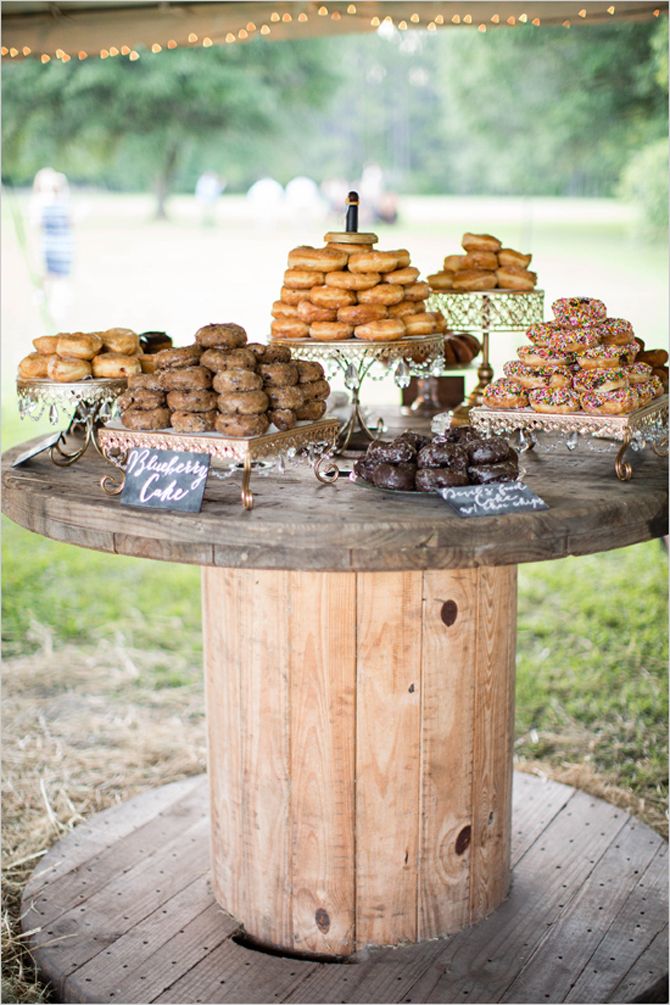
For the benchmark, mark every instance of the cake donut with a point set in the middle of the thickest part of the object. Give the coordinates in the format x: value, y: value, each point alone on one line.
x: 443, y: 455
x: 452, y: 263
x: 538, y: 376
x: 606, y: 357
x: 145, y: 381
x: 237, y: 380
x: 401, y: 256
x: 282, y: 418
x: 508, y: 258
x: 391, y: 452
x: 281, y: 310
x: 221, y: 336
x: 384, y: 293
x: 308, y: 371
x: 599, y: 380
x: 186, y: 378
x: 615, y: 331
x: 317, y: 259
x: 187, y: 356
x: 331, y: 297
x: 516, y: 279
x: 645, y: 393
x: 330, y: 331
x: 361, y: 314
x: 308, y: 312
x: 638, y: 373
x: 115, y: 365
x: 289, y: 328
x: 315, y: 390
x: 657, y: 386
x: 406, y: 308
x: 284, y: 397
x: 274, y: 354
x: 242, y: 402
x: 416, y: 291
x: 78, y: 346
x: 242, y: 425
x: 289, y: 296
x: 431, y: 479
x: 302, y: 279
x: 194, y: 422
x: 505, y: 393
x: 193, y: 401
x: 618, y: 402
x: 441, y: 281
x: 311, y: 411
x: 141, y: 398
x: 279, y: 374
x: 373, y: 261
x: 536, y: 355
x: 352, y: 280
x: 577, y: 311
x: 384, y: 330
x: 394, y: 476
x: 229, y: 359
x: 484, y: 261
x: 402, y: 277
x: 488, y: 450
x: 554, y: 400
x: 475, y: 280
x: 505, y: 471
x: 154, y: 418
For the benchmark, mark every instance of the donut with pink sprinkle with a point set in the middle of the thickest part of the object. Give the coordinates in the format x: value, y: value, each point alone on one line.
x: 619, y: 402
x: 638, y: 373
x: 540, y: 355
x: 554, y: 400
x: 599, y: 380
x: 540, y: 333
x: 608, y: 357
x: 578, y: 311
x: 616, y: 331
x: 505, y: 393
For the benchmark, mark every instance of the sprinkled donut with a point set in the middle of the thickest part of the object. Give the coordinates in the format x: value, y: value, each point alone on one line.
x: 615, y: 331
x: 539, y: 334
x: 534, y: 355
x: 607, y: 357
x: 539, y: 376
x: 573, y: 340
x: 576, y: 311
x: 554, y: 400
x: 657, y: 386
x: 618, y: 402
x: 599, y: 380
x: 638, y: 373
x: 505, y: 393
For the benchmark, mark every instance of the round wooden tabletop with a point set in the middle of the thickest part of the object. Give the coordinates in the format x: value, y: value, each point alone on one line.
x: 299, y: 523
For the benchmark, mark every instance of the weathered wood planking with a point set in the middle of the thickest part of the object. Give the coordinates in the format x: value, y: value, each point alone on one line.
x: 178, y: 947
x: 298, y: 523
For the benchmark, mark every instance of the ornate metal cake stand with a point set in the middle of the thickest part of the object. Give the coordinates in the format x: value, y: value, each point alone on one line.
x: 418, y: 356
x: 483, y: 314
x: 84, y: 405
x: 270, y: 453
x: 647, y: 426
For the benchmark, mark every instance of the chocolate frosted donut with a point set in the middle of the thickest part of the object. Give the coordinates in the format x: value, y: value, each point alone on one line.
x: 463, y: 435
x: 505, y: 471
x: 285, y: 397
x: 186, y: 378
x: 143, y: 399
x: 194, y: 422
x: 315, y: 390
x: 492, y: 450
x: 430, y: 479
x: 191, y: 401
x: 394, y: 476
x: 223, y: 336
x: 237, y: 380
x: 308, y: 372
x: 229, y: 359
x: 145, y: 382
x: 364, y: 468
x: 391, y: 452
x: 283, y: 418
x: 443, y: 455
x: 242, y: 425
x: 243, y: 403
x: 154, y: 418
x: 416, y: 440
x: 311, y: 410
x: 189, y: 355
x: 279, y: 374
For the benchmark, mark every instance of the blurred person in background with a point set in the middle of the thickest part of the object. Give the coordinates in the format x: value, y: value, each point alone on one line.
x: 51, y: 213
x: 304, y: 200
x: 266, y: 201
x: 208, y: 188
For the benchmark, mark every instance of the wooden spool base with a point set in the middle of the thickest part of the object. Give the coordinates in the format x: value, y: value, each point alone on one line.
x: 122, y: 910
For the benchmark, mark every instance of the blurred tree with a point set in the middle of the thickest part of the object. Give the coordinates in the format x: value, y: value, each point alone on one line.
x: 156, y: 106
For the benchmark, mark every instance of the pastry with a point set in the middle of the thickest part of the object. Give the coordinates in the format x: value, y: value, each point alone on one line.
x: 373, y: 262
x: 615, y: 331
x: 311, y: 410
x: 505, y: 393
x: 484, y: 261
x: 508, y: 258
x: 145, y: 381
x: 78, y: 345
x: 187, y: 356
x: 194, y: 401
x: 394, y: 476
x: 384, y: 330
x: 387, y: 294
x: 194, y: 422
x: 600, y: 380
x: 533, y: 355
x: 66, y: 370
x: 353, y: 280
x: 284, y: 397
x: 618, y: 402
x: 516, y: 279
x: 452, y: 263
x: 331, y: 297
x: 605, y: 357
x: 415, y: 292
x: 402, y: 277
x: 290, y: 296
x: 406, y: 308
x: 315, y: 390
x: 482, y: 474
x: 155, y: 418
x: 141, y: 398
x: 431, y: 479
x: 237, y: 380
x: 443, y: 455
x: 441, y: 281
x: 308, y: 312
x: 419, y: 324
x: 361, y: 314
x: 303, y: 279
x: 330, y: 331
x: 480, y: 242
x: 279, y: 374
x: 245, y: 402
x: 123, y: 340
x: 577, y: 311
x: 281, y: 310
x: 289, y: 328
x: 187, y: 378
x: 242, y: 425
x: 115, y: 365
x: 317, y: 259
x: 308, y: 371
x: 391, y: 452
x: 148, y: 362
x: 282, y: 418
x: 46, y: 345
x: 276, y: 354
x: 229, y: 359
x: 475, y: 280
x: 152, y: 342
x: 35, y: 366
x: 554, y: 400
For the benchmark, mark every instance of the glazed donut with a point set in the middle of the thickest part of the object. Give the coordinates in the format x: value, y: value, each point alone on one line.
x: 140, y: 398
x: 554, y: 400
x: 402, y: 277
x: 346, y: 249
x: 516, y: 279
x: 145, y: 382
x: 599, y: 380
x: 289, y: 296
x: 416, y: 292
x: 186, y: 378
x: 78, y: 345
x: 401, y: 255
x: 237, y: 380
x: 276, y: 354
x: 533, y: 355
x: 615, y: 331
x: 221, y: 336
x: 115, y: 364
x: 538, y: 376
x: 330, y: 331
x: 309, y: 312
x: 419, y: 324
x: 187, y: 356
x: 289, y: 328
x: 504, y: 393
x: 452, y: 263
x: 638, y: 373
x: 302, y: 279
x: 279, y: 374
x: 281, y: 310
x: 384, y: 293
x: 573, y: 340
x: 606, y: 357
x: 385, y: 330
x: 317, y: 259
x: 441, y: 281
x: 308, y: 371
x: 315, y: 390
x: 480, y: 242
x: 192, y: 401
x: 155, y: 418
x: 542, y: 332
x: 482, y: 261
x: 432, y: 479
x: 576, y: 311
x: 360, y: 314
x: 229, y: 359
x: 399, y: 477
x: 654, y: 357
x: 46, y: 345
x: 123, y: 340
x: 373, y: 261
x: 330, y: 297
x: 282, y: 418
x: 311, y: 411
x: 474, y: 280
x: 35, y: 366
x: 352, y: 280
x: 285, y: 397
x: 148, y: 362
x: 242, y: 425
x: 508, y: 258
x: 404, y: 309
x: 243, y: 403
x: 618, y: 402
x: 441, y: 325
x: 194, y: 422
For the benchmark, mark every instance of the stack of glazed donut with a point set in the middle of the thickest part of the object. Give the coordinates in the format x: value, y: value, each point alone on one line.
x: 486, y: 265
x: 222, y: 383
x: 345, y: 291
x: 582, y: 361
x: 72, y: 356
x: 415, y: 463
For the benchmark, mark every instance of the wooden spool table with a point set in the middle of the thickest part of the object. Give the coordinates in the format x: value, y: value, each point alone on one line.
x: 359, y: 659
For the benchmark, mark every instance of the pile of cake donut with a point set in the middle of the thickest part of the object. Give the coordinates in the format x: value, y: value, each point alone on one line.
x: 582, y: 361
x: 344, y: 291
x: 73, y: 356
x: 224, y: 384
x: 486, y: 265
x: 415, y: 463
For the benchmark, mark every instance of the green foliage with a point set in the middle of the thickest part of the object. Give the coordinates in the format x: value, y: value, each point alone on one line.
x: 645, y: 183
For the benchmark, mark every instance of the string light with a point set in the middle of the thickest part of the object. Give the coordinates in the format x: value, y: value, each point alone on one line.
x: 172, y: 43
x: 26, y: 50
x: 104, y: 54
x: 482, y: 28
x: 113, y: 51
x: 402, y: 25
x: 82, y: 55
x: 523, y: 18
x: 467, y: 19
x: 302, y: 17
x: 156, y: 47
x: 275, y: 16
x: 242, y: 34
x: 656, y: 12
x: 125, y: 50
x: 537, y: 22
x: 251, y: 27
x: 192, y: 37
x: 336, y: 16
x: 582, y: 12
x: 610, y: 10
x: 286, y: 18
x: 66, y: 57
x: 207, y: 42
x: 456, y: 19
x: 431, y: 26
x: 265, y: 29
x: 14, y: 52
x: 45, y: 58
x: 414, y: 18
x: 59, y: 53
x: 495, y: 19
x: 439, y: 19
x: 351, y: 9
x: 134, y: 55
x: 375, y: 22
x: 567, y: 23
x: 230, y: 37
x: 511, y: 21
x: 322, y: 11
x: 4, y: 50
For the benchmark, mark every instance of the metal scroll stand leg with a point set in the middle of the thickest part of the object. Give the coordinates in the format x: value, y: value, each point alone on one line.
x: 247, y: 495
x: 88, y: 421
x: 356, y: 423
x: 623, y: 469
x: 461, y: 414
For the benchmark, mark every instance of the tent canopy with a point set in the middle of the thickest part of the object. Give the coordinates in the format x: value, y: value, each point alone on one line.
x: 77, y: 28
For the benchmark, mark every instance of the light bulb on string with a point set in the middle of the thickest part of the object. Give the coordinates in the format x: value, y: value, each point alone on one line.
x: 207, y: 42
x: 113, y: 51
x: 82, y: 55
x: 523, y: 18
x: 172, y: 43
x: 439, y: 19
x: 302, y: 17
x: 431, y: 26
x: 402, y: 25
x: 26, y: 50
x: 251, y: 27
x: 265, y: 29
x: 242, y: 34
x: 156, y: 47
x: 275, y: 16
x: 414, y: 18
x: 134, y: 55
x: 192, y: 37
x: 495, y: 19
x: 467, y: 19
x: 45, y: 58
x: 351, y: 9
x: 456, y: 19
x: 230, y: 37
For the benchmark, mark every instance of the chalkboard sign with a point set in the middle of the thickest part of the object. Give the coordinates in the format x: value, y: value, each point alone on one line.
x: 492, y: 500
x: 37, y: 448
x: 165, y: 479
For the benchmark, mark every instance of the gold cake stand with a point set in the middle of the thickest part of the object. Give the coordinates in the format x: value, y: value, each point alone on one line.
x: 415, y: 356
x: 271, y: 452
